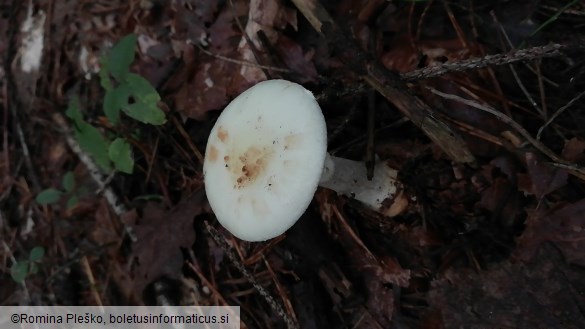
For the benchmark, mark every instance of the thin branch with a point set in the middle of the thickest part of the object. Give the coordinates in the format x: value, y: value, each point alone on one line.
x: 240, y: 62
x: 513, y: 70
x: 551, y: 50
x: 92, y: 283
x: 276, y: 307
x: 557, y: 113
x: 25, y: 149
x: 576, y: 170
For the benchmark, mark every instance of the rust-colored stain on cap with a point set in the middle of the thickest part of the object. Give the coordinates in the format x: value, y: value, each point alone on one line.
x: 212, y: 153
x: 250, y: 165
x: 222, y: 134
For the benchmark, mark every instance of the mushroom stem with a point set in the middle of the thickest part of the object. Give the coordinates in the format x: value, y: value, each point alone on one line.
x: 383, y: 193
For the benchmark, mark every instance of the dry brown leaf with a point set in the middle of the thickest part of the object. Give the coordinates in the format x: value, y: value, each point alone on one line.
x: 293, y: 57
x: 106, y: 230
x: 501, y: 198
x: 564, y: 225
x: 206, y: 92
x: 267, y: 16
x: 376, y: 273
x: 160, y: 235
x: 404, y: 57
x: 213, y: 80
x: 574, y: 150
x: 541, y: 178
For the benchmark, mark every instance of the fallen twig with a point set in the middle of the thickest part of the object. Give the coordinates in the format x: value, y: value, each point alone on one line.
x: 527, y: 54
x: 558, y: 112
x: 240, y: 62
x: 92, y: 284
x: 276, y: 307
x: 513, y: 70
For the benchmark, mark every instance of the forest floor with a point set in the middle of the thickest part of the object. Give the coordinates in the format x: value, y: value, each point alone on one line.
x: 477, y: 104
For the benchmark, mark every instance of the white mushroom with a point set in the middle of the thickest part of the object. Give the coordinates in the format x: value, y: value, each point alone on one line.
x: 266, y: 155
x: 348, y: 177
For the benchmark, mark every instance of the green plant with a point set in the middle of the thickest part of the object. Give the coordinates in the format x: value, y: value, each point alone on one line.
x: 90, y: 139
x: 124, y: 92
x: 21, y: 269
x: 127, y: 92
x: 52, y: 195
x: 105, y: 152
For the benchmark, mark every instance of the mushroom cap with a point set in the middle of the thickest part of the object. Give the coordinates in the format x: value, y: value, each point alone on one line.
x: 264, y: 159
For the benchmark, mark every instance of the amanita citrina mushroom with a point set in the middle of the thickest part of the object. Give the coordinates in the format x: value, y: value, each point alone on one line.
x: 266, y: 155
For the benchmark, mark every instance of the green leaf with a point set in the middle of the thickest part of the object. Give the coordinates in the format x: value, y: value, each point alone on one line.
x: 145, y: 109
x: 141, y: 88
x: 114, y: 101
x: 18, y: 271
x: 89, y: 138
x: 121, y: 154
x: 34, y: 269
x: 105, y: 80
x: 121, y: 56
x: 73, y: 200
x: 93, y: 142
x: 73, y: 111
x: 48, y: 196
x: 36, y: 254
x: 146, y: 113
x: 68, y: 182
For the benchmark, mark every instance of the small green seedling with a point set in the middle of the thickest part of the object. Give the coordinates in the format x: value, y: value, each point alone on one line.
x: 128, y: 92
x: 21, y: 269
x: 90, y: 139
x: 116, y: 154
x: 52, y: 195
x: 124, y: 92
